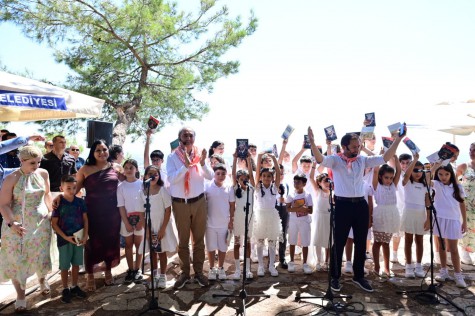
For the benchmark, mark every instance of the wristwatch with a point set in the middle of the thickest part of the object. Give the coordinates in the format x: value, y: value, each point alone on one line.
x: 10, y: 224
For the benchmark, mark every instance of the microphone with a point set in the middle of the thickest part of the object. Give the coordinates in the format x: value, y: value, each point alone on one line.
x: 281, y: 189
x: 329, y: 180
x: 247, y: 183
x: 149, y: 180
x: 421, y: 170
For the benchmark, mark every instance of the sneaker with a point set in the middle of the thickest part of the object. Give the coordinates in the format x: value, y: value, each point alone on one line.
x: 291, y: 267
x: 307, y: 269
x: 284, y: 265
x: 394, y: 258
x: 335, y: 285
x: 261, y: 271
x: 181, y: 281
x: 212, y: 274
x: 249, y: 275
x: 138, y: 276
x: 369, y: 257
x: 318, y: 267
x: 254, y: 258
x: 76, y: 291
x: 459, y: 281
x: 222, y: 274
x: 201, y: 279
x: 66, y: 296
x: 162, y: 281
x: 273, y: 271
x: 348, y: 268
x: 129, y: 278
x: 236, y: 275
x: 363, y: 283
x: 465, y: 258
x: 443, y: 275
x: 419, y: 272
x: 436, y: 257
x: 409, y: 271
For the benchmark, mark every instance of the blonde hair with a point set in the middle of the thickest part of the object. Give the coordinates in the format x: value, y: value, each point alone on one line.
x: 29, y: 152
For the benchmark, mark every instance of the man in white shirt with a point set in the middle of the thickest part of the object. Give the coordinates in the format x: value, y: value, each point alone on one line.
x: 186, y: 171
x: 351, y: 208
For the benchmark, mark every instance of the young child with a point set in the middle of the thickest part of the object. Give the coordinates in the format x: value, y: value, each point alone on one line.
x: 268, y: 223
x: 221, y: 205
x: 132, y: 225
x: 163, y: 238
x: 450, y: 205
x: 241, y: 180
x: 384, y: 218
x: 69, y: 218
x: 321, y: 234
x: 414, y: 216
x: 299, y: 205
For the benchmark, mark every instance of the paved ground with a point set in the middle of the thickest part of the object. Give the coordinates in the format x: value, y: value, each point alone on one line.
x: 192, y: 300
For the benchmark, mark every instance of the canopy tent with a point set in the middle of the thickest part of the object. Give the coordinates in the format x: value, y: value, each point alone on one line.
x: 23, y: 99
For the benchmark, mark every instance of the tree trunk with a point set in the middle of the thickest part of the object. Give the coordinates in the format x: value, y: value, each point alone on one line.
x: 124, y: 119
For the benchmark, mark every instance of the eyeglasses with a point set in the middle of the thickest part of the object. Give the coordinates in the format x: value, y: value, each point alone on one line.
x: 50, y: 145
x: 74, y: 149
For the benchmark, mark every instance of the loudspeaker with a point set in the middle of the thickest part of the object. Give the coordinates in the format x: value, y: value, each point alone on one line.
x: 98, y: 130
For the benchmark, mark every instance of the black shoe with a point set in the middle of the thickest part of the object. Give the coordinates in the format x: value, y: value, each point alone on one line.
x: 335, y: 285
x: 76, y: 291
x: 363, y: 283
x: 284, y: 265
x: 66, y: 296
x: 129, y: 278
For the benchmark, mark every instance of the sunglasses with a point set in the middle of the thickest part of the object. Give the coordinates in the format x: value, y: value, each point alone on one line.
x: 74, y: 149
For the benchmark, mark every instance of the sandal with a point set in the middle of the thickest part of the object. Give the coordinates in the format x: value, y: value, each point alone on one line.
x: 45, y: 288
x: 90, y: 283
x: 109, y: 279
x: 20, y: 306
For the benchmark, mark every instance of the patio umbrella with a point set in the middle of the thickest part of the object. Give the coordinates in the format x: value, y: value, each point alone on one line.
x: 23, y: 99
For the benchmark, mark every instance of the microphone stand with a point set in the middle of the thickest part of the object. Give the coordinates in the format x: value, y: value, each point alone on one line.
x: 430, y: 295
x: 153, y: 305
x: 242, y: 293
x: 336, y: 307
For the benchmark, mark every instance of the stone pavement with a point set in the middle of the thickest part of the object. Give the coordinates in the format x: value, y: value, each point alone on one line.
x: 134, y: 299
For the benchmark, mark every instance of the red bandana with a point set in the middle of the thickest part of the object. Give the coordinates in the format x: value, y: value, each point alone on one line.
x: 194, y: 163
x: 348, y: 161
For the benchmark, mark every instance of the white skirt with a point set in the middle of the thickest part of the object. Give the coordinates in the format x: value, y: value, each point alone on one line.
x: 449, y: 228
x: 239, y: 221
x: 322, y: 230
x: 267, y: 225
x: 386, y: 219
x: 412, y: 221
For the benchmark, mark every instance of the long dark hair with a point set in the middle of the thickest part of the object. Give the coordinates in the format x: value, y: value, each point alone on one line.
x: 160, y: 181
x: 239, y: 174
x: 215, y: 144
x: 271, y: 171
x: 421, y: 166
x: 91, y: 160
x: 383, y: 170
x: 453, y: 181
x: 134, y: 163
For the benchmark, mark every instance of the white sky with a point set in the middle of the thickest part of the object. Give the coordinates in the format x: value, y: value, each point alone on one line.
x: 320, y: 63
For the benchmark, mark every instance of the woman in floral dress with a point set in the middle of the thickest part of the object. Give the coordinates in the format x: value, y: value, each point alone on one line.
x: 25, y: 203
x: 467, y: 243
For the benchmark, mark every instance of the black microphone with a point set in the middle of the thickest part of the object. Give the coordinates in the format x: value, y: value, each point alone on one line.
x: 281, y: 189
x: 421, y: 170
x: 329, y: 180
x: 247, y: 183
x: 149, y: 180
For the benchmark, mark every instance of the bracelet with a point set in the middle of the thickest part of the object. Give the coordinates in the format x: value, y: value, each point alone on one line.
x: 313, y: 168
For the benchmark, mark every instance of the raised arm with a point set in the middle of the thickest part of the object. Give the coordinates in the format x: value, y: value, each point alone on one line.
x: 316, y: 153
x: 282, y: 150
x: 249, y: 170
x: 258, y: 167
x: 392, y: 150
x: 312, y: 177
x: 277, y: 170
x: 146, y: 151
x: 410, y: 168
x: 375, y: 181
x: 233, y: 172
x: 397, y: 176
x: 295, y: 161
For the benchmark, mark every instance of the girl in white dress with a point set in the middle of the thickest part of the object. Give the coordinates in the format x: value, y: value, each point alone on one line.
x: 268, y: 223
x: 384, y: 218
x: 163, y: 237
x: 241, y: 181
x: 414, y: 216
x: 450, y: 205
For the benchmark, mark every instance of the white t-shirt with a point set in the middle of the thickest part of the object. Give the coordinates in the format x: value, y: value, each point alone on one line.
x: 218, y: 204
x: 127, y: 194
x: 444, y: 202
x: 295, y: 198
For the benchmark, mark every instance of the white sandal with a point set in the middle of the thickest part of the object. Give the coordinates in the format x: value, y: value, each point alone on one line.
x: 20, y: 306
x: 45, y: 288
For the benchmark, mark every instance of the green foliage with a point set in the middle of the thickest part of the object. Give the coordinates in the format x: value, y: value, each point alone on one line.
x: 144, y: 57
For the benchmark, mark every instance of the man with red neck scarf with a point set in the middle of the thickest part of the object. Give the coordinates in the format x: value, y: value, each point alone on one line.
x: 351, y: 208
x: 186, y: 171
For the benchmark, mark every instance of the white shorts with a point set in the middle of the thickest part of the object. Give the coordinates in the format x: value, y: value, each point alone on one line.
x: 216, y: 239
x: 125, y: 233
x: 297, y: 227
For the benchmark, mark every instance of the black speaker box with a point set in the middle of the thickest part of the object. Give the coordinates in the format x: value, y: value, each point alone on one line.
x: 98, y: 130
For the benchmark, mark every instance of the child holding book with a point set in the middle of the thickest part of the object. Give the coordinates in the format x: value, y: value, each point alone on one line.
x: 69, y: 221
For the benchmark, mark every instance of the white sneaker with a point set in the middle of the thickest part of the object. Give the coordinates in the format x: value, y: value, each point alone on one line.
x: 348, y: 268
x: 291, y: 267
x: 212, y: 274
x: 261, y: 271
x: 394, y: 258
x: 222, y: 274
x: 465, y: 258
x: 318, y: 267
x: 436, y: 257
x: 273, y: 271
x: 409, y: 271
x: 419, y: 272
x: 307, y: 269
x: 236, y: 275
x: 162, y: 281
x: 249, y: 275
x: 298, y: 250
x: 443, y: 276
x: 254, y: 258
x: 459, y: 281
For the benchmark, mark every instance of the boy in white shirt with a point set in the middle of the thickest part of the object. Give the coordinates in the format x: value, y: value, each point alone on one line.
x: 299, y: 204
x: 221, y: 206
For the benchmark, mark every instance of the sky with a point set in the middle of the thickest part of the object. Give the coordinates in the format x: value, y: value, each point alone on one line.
x: 321, y: 63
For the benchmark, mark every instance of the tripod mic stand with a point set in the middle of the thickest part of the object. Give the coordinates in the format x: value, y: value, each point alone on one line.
x: 242, y: 293
x: 329, y: 296
x: 430, y: 295
x: 153, y: 305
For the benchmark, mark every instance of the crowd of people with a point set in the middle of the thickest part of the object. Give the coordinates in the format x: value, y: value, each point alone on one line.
x: 86, y: 206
